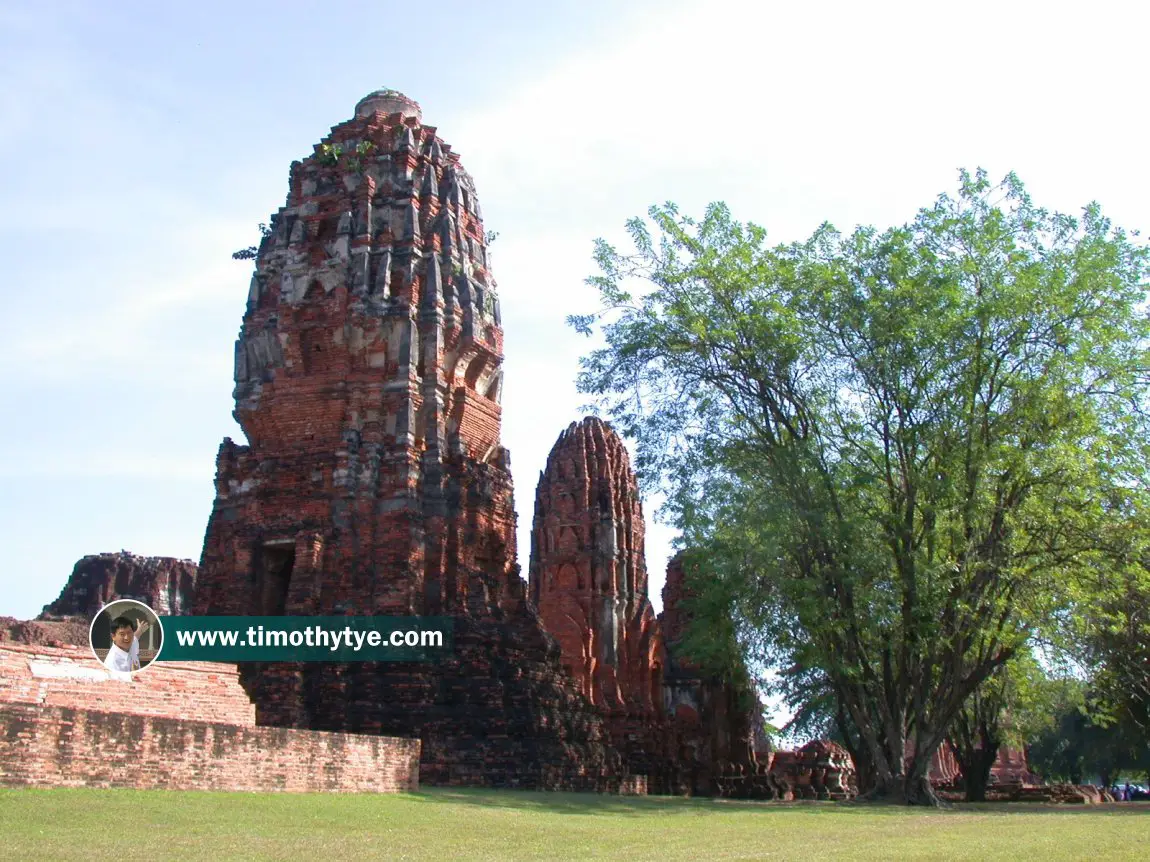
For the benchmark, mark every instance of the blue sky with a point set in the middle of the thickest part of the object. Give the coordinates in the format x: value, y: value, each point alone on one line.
x: 143, y: 142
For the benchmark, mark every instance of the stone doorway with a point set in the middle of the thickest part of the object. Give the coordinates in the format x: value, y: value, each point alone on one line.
x: 277, y: 559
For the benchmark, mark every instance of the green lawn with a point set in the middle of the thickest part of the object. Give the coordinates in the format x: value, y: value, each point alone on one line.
x: 472, y: 824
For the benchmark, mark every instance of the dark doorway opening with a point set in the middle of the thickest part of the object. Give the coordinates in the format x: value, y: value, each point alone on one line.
x: 276, y: 563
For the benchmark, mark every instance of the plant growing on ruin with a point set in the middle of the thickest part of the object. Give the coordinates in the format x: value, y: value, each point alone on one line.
x: 333, y: 155
x: 251, y: 251
x: 354, y: 161
x: 898, y: 451
x: 329, y: 154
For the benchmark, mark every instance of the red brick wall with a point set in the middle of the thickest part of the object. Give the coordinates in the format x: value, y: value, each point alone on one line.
x: 177, y: 725
x: 202, y: 690
x: 60, y: 747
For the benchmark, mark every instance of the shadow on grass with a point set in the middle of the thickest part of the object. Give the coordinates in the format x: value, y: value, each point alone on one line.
x: 596, y: 804
x: 527, y: 802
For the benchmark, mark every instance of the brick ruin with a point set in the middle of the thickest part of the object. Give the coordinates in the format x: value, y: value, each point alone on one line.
x: 686, y: 730
x: 368, y: 378
x: 367, y: 382
x: 717, y: 722
x: 45, y: 632
x: 165, y: 584
x: 368, y: 372
x: 588, y: 571
x: 588, y: 580
x: 188, y: 726
x: 1010, y: 767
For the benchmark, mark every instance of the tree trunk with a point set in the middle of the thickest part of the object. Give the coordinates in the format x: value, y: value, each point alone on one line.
x: 864, y: 771
x: 884, y: 738
x: 864, y: 763
x: 976, y: 768
x: 919, y: 791
x: 905, y: 789
x: 975, y: 739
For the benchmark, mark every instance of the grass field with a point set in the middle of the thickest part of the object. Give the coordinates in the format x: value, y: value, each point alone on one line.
x: 467, y: 824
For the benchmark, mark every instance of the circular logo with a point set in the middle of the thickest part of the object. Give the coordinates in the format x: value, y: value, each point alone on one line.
x: 126, y: 636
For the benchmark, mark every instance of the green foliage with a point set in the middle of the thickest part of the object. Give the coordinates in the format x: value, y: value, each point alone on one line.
x: 489, y: 301
x: 1115, y: 631
x: 354, y: 162
x: 898, y: 450
x: 329, y: 154
x: 332, y: 155
x: 711, y: 640
x: 252, y: 251
x: 1031, y: 700
x: 1078, y: 746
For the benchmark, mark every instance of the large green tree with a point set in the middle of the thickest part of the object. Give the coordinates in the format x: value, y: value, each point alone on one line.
x: 893, y: 449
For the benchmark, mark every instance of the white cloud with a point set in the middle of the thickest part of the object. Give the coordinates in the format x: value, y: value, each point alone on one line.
x: 132, y: 314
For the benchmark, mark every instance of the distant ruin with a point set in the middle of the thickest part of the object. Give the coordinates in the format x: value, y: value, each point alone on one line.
x: 164, y: 584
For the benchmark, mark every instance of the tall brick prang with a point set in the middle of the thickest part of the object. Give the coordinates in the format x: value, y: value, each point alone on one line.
x: 588, y: 578
x: 368, y: 380
x: 588, y: 574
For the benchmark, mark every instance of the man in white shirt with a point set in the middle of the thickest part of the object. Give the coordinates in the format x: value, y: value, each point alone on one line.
x: 124, y: 656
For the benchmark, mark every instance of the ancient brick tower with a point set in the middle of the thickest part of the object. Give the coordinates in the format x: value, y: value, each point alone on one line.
x: 368, y: 383
x: 588, y: 578
x: 588, y: 574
